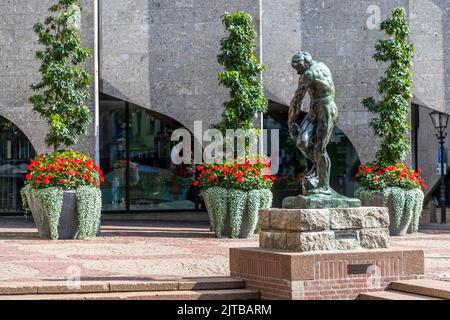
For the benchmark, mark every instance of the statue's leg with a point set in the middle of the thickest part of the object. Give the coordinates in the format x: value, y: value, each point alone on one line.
x: 305, y: 143
x: 305, y: 136
x: 326, y: 122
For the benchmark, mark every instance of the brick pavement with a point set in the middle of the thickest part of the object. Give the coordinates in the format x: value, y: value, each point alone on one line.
x: 149, y: 250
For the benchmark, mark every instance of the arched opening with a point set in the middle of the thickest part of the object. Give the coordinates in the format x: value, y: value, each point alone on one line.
x: 135, y: 148
x: 293, y: 165
x: 15, y: 154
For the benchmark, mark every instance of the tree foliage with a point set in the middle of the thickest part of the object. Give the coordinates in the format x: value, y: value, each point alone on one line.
x: 242, y: 73
x: 64, y: 87
x: 392, y: 124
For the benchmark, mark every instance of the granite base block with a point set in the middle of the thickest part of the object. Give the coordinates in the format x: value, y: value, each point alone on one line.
x: 301, y: 230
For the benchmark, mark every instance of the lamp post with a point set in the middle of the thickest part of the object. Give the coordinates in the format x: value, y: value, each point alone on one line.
x: 440, y: 122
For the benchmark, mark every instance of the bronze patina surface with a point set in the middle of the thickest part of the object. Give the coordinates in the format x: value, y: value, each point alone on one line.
x: 314, y: 133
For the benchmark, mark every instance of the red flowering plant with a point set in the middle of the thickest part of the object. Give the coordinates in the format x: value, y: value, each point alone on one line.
x: 66, y: 169
x: 248, y: 175
x: 379, y: 177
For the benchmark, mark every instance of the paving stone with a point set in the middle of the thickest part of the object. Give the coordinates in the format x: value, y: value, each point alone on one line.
x: 374, y: 238
x: 279, y: 240
x: 150, y: 250
x: 213, y: 283
x: 143, y: 286
x: 273, y: 240
x: 228, y: 294
x: 299, y: 220
x: 359, y: 218
x: 346, y: 244
x: 310, y: 241
x: 265, y: 241
x: 264, y: 219
x: 426, y: 287
x: 69, y: 287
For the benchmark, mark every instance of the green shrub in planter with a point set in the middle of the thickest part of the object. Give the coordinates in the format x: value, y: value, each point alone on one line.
x: 388, y: 181
x: 234, y: 193
x: 62, y: 189
x: 64, y: 88
x: 70, y: 176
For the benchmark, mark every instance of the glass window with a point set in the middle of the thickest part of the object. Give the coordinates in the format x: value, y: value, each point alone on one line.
x: 113, y: 161
x: 135, y: 150
x: 15, y: 154
x: 155, y: 182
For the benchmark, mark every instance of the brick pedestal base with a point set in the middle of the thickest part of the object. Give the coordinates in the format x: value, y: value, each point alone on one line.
x: 325, y: 274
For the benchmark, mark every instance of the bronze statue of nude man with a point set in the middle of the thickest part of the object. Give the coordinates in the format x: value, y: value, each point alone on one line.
x: 314, y: 133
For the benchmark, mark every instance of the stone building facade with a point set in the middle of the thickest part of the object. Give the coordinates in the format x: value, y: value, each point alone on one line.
x: 160, y: 55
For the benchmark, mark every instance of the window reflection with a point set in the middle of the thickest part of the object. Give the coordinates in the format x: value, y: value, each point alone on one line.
x: 113, y: 154
x: 152, y: 181
x: 15, y: 154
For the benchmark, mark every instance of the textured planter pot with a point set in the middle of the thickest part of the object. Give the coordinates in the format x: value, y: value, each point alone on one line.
x: 246, y: 230
x: 68, y: 226
x: 245, y: 227
x: 377, y: 201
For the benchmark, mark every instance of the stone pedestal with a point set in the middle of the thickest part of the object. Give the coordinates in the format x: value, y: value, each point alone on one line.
x: 323, y: 254
x: 301, y: 230
x: 320, y: 201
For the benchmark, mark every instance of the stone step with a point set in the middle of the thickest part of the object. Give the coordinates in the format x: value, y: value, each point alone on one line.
x: 425, y: 287
x: 224, y: 294
x: 110, y: 286
x: 392, y: 295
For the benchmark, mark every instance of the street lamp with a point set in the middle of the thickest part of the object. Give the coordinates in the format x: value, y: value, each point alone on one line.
x: 440, y: 122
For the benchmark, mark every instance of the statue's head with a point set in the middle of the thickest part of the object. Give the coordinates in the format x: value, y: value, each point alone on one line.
x: 302, y: 61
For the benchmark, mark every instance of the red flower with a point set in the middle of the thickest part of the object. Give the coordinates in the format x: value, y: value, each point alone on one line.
x: 376, y: 178
x: 28, y: 176
x: 379, y: 172
x: 195, y: 183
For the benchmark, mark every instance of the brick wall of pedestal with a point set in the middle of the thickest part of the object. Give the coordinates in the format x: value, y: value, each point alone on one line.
x: 322, y: 275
